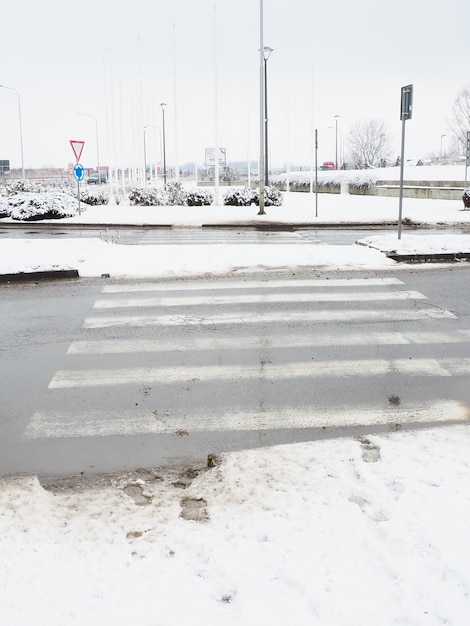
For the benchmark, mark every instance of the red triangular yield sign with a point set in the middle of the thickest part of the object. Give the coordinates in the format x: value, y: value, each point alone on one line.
x: 77, y: 147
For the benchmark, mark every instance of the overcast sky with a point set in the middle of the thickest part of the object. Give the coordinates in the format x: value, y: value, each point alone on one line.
x: 118, y: 61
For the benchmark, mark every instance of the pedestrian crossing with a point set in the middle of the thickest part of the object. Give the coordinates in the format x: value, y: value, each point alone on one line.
x: 201, y: 356
x: 204, y: 236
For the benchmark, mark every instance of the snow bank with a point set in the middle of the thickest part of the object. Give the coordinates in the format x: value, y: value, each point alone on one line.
x: 342, y: 532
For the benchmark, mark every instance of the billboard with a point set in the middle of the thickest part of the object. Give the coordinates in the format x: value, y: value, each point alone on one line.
x: 210, y: 157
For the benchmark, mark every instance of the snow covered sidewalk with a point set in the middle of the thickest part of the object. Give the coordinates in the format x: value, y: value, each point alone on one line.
x: 336, y: 532
x: 94, y: 257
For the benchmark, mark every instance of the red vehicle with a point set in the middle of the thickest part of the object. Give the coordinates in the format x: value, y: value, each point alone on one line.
x: 327, y: 165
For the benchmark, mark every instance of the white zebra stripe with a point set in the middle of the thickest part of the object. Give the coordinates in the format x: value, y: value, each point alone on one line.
x: 179, y: 344
x: 64, y: 379
x: 331, y: 315
x: 255, y: 284
x: 90, y: 424
x: 260, y: 299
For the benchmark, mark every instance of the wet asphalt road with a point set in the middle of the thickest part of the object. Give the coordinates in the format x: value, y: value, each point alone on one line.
x: 101, y: 375
x: 208, y: 235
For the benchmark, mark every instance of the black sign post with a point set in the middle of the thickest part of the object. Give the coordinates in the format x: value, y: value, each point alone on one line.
x: 406, y: 110
x: 316, y: 172
x: 467, y: 156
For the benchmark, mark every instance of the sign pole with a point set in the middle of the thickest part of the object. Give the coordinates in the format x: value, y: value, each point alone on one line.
x: 316, y: 172
x: 78, y: 170
x: 405, y: 114
x: 467, y: 156
x: 402, y: 164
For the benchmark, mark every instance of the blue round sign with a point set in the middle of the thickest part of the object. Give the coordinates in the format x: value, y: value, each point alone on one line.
x: 79, y: 172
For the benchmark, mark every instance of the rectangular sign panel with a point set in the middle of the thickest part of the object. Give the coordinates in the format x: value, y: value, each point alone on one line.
x: 210, y: 157
x: 406, y: 102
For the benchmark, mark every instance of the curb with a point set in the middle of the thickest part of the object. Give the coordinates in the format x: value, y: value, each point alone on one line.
x: 22, y: 277
x: 250, y: 224
x: 439, y: 257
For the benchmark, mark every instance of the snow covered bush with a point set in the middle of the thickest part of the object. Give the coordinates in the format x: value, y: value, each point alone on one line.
x: 199, y: 197
x: 360, y: 181
x: 5, y: 209
x: 272, y: 197
x: 176, y: 194
x: 23, y: 186
x: 95, y: 197
x: 148, y: 196
x: 172, y: 194
x: 41, y: 206
x: 239, y: 197
x: 466, y: 197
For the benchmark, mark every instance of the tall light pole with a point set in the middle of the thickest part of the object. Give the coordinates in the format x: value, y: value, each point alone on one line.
x: 336, y: 141
x: 266, y: 54
x: 145, y: 159
x: 163, y: 105
x: 262, y: 146
x: 97, y: 144
x: 442, y: 142
x: 21, y: 125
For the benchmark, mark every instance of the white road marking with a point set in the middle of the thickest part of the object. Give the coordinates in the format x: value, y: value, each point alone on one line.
x: 93, y: 424
x: 180, y: 344
x: 457, y: 367
x: 370, y: 315
x: 258, y: 284
x: 59, y: 423
x: 65, y: 379
x: 259, y: 298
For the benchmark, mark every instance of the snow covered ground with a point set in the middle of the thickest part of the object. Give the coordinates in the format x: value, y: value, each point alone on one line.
x: 337, y: 532
x: 93, y: 257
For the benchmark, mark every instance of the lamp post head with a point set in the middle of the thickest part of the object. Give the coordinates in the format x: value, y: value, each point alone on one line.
x: 163, y: 105
x: 267, y: 52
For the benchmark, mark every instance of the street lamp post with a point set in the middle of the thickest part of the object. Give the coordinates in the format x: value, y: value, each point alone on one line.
x: 266, y: 54
x: 97, y: 144
x: 163, y: 105
x: 262, y: 146
x: 21, y: 125
x: 336, y: 141
x: 442, y: 143
x: 145, y: 159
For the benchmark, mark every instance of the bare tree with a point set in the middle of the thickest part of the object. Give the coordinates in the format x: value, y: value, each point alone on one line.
x: 369, y: 143
x: 460, y: 122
